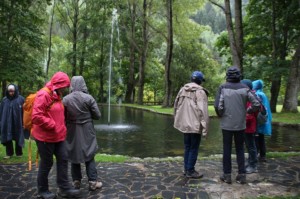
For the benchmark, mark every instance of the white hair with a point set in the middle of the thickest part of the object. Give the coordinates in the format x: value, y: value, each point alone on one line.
x: 11, y: 87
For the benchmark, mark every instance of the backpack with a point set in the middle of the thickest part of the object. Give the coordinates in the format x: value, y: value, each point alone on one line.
x: 28, y: 107
x: 262, y: 116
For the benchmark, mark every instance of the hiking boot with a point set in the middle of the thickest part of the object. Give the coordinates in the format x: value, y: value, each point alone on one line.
x: 184, y: 172
x: 241, y: 178
x: 69, y: 193
x: 76, y: 184
x: 193, y: 174
x: 46, y: 195
x: 262, y: 159
x: 93, y: 185
x: 250, y: 170
x: 226, y: 178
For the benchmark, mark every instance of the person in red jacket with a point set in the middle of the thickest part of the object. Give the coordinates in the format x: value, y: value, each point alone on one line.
x: 49, y: 131
x: 250, y: 134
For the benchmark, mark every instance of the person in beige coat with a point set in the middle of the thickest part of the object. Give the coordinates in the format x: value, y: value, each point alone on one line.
x: 191, y: 118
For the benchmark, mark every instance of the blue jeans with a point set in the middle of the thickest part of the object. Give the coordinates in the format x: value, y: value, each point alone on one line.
x: 251, y: 146
x: 239, y: 148
x: 191, y: 148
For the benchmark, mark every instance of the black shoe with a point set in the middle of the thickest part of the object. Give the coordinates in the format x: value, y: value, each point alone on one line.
x: 241, y: 178
x: 250, y: 170
x: 69, y: 193
x: 193, y: 174
x: 226, y: 178
x: 46, y: 195
x: 262, y: 159
x: 184, y: 172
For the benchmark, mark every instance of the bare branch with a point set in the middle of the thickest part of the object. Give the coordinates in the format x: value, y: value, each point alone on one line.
x: 216, y: 4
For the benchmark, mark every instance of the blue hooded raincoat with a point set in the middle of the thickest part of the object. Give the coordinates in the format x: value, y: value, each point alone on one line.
x: 11, y: 118
x: 266, y: 128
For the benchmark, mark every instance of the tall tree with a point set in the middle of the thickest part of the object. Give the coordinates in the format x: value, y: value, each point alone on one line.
x: 290, y: 103
x: 50, y: 40
x: 235, y: 35
x: 169, y: 53
x: 143, y: 54
x: 131, y: 80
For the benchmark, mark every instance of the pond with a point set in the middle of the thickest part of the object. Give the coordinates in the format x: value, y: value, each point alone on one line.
x: 142, y: 134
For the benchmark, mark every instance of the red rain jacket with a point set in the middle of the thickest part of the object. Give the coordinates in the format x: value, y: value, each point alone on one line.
x: 251, y: 121
x: 48, y: 117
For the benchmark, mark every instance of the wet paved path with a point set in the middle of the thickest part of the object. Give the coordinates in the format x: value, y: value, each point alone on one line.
x: 164, y: 180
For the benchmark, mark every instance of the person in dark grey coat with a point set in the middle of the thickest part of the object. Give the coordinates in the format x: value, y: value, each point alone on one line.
x: 81, y: 109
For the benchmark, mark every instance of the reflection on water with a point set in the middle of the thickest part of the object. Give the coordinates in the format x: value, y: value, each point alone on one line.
x: 140, y: 133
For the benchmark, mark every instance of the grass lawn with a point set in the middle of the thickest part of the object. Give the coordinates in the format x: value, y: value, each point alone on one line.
x: 290, y: 118
x: 24, y: 159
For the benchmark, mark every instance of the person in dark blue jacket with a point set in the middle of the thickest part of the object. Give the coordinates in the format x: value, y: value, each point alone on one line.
x: 230, y: 106
x: 11, y: 121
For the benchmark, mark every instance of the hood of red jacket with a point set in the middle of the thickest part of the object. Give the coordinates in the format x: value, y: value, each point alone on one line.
x: 58, y: 80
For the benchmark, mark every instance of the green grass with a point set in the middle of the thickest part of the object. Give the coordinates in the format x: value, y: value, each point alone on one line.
x: 289, y: 118
x: 111, y: 158
x: 24, y: 158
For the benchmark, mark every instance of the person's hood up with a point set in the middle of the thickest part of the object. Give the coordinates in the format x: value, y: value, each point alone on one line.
x: 16, y: 91
x: 58, y: 80
x: 258, y: 85
x: 78, y: 84
x: 191, y: 87
x: 248, y: 83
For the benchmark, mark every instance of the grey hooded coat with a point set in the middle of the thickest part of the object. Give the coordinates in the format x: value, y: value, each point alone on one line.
x: 81, y: 109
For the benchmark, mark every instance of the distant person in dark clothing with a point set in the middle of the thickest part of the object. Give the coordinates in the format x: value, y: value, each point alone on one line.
x: 11, y: 121
x: 230, y: 105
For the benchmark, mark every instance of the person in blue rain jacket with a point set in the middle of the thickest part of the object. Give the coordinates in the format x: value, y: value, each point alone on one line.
x: 266, y: 128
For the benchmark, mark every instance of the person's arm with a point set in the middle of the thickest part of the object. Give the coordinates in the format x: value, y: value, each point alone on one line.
x: 1, y: 110
x: 255, y: 104
x: 219, y: 103
x: 40, y: 106
x: 202, y: 103
x: 95, y: 112
x: 176, y: 102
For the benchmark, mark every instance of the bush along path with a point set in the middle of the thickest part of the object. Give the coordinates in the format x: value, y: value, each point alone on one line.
x: 164, y: 179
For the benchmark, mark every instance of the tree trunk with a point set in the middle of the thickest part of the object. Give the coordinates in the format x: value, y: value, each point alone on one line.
x: 276, y: 80
x: 50, y: 41
x: 131, y: 82
x: 143, y: 55
x: 232, y: 41
x: 75, y: 27
x: 290, y: 103
x: 169, y: 53
x: 239, y: 32
x: 82, y: 57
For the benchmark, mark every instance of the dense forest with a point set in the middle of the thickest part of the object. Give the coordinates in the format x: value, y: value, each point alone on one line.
x: 156, y: 44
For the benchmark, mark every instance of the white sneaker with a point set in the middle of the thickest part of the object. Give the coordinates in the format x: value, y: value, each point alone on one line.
x: 93, y: 185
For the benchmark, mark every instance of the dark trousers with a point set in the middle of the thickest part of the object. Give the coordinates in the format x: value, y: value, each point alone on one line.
x: 191, y: 148
x: 46, y: 151
x: 10, y: 148
x: 260, y: 145
x: 251, y: 146
x: 239, y: 148
x: 91, y: 171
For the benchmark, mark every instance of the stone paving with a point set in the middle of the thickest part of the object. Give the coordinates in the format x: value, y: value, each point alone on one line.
x: 164, y: 180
